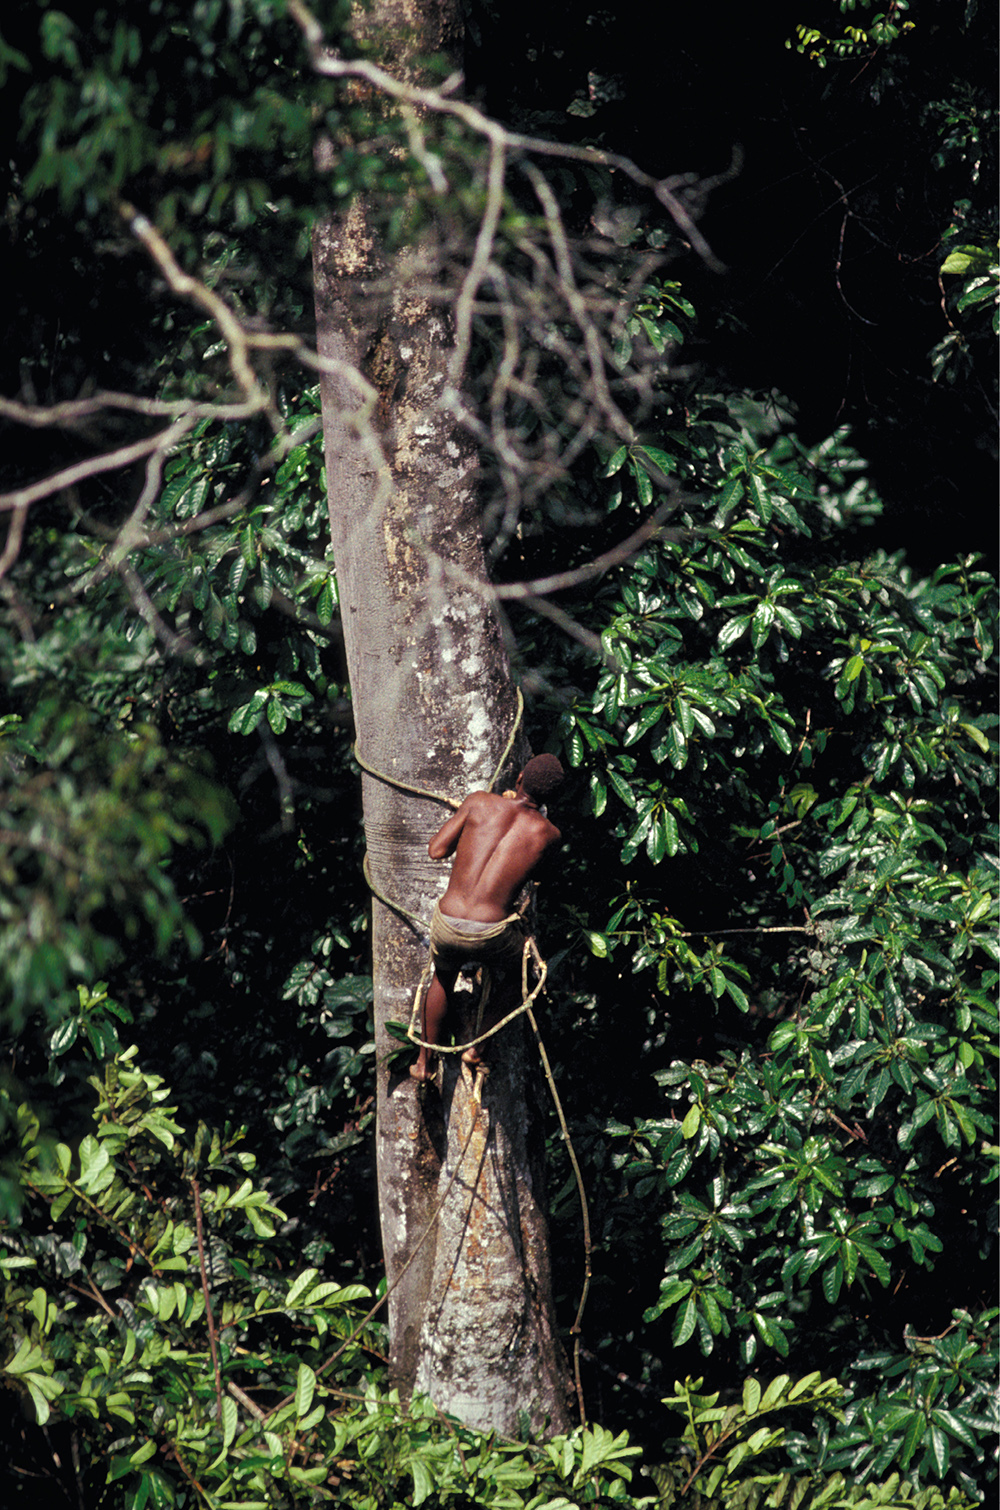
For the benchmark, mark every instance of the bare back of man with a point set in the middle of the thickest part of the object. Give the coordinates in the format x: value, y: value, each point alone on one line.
x: 497, y: 842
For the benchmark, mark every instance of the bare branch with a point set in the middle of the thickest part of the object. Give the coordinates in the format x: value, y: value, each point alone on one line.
x: 569, y: 626
x: 93, y: 466
x: 576, y: 303
x: 15, y: 534
x: 480, y: 263
x: 238, y: 339
x: 172, y: 642
x: 70, y: 413
x: 561, y: 581
x: 325, y: 62
x: 547, y: 308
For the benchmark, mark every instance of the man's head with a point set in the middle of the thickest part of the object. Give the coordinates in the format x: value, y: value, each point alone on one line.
x: 540, y: 777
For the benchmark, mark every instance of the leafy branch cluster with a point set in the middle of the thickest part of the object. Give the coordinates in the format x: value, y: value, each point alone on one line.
x: 557, y: 320
x: 88, y: 815
x: 855, y: 42
x: 823, y: 736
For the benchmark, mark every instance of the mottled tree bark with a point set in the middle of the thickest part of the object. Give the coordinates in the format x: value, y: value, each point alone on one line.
x: 470, y: 1312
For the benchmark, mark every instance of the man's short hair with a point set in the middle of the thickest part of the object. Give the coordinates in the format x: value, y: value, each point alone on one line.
x: 541, y: 776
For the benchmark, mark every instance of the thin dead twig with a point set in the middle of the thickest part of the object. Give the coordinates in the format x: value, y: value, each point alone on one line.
x: 324, y: 61
x: 239, y: 340
x: 72, y: 411
x: 93, y: 466
x: 213, y: 1344
x: 15, y: 535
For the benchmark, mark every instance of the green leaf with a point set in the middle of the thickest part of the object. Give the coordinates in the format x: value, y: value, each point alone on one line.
x: 671, y: 834
x: 833, y: 1278
x: 230, y: 1420
x: 622, y: 787
x: 325, y: 602
x: 244, y: 720
x: 731, y: 632
x: 686, y: 1323
x: 42, y: 1408
x: 648, y: 718
x: 731, y: 495
x: 806, y: 1383
x: 237, y: 574
x: 958, y: 262
x: 658, y: 457
x: 300, y: 1285
x: 914, y: 1435
x: 64, y: 1036
x: 423, y: 1481
x: 760, y: 496
x: 305, y: 1388
x: 977, y: 736
x: 27, y: 1357
x: 775, y: 1391
x: 761, y: 623
x: 940, y: 1449
x: 737, y: 994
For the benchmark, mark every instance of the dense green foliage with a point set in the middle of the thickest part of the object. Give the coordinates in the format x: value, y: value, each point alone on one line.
x: 200, y: 1303
x: 163, y: 1326
x: 89, y: 816
x: 774, y: 952
x: 229, y: 137
x: 819, y: 742
x: 855, y: 41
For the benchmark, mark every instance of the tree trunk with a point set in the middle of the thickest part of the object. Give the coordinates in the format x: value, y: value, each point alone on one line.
x: 460, y: 1187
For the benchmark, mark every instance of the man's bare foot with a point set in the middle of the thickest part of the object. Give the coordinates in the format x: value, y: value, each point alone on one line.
x: 472, y: 1059
x: 424, y: 1074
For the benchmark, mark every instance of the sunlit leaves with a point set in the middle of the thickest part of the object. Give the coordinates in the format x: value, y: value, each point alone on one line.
x: 979, y: 270
x: 724, y: 1440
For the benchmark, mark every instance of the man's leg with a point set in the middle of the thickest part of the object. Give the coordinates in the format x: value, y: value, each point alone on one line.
x: 436, y: 1004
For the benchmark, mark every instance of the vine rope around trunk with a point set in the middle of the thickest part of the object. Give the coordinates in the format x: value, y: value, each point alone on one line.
x: 420, y: 791
x: 429, y: 796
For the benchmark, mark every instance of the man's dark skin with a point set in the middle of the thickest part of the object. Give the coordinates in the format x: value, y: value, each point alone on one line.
x: 497, y: 842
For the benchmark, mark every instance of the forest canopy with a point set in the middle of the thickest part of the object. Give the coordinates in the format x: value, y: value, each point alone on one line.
x: 724, y: 347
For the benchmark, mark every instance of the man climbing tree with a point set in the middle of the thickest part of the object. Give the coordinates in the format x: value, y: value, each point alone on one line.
x: 497, y: 843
